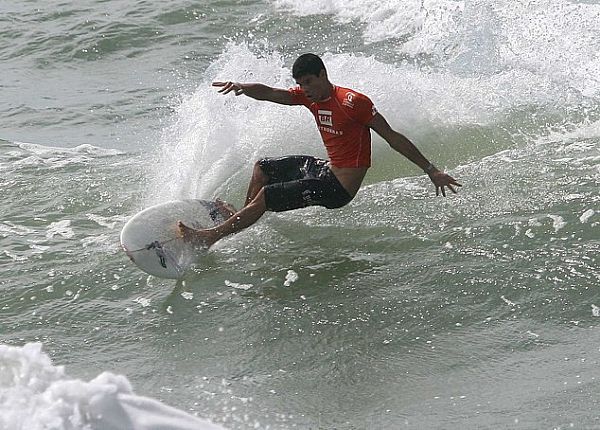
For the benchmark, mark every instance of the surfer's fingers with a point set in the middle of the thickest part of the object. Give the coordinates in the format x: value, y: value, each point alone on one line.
x: 453, y: 181
x: 224, y: 86
x: 227, y: 87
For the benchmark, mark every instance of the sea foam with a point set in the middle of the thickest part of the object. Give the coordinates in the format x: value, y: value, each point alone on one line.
x: 37, y: 395
x: 555, y: 38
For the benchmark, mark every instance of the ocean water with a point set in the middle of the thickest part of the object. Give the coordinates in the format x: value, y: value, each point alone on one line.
x: 401, y: 310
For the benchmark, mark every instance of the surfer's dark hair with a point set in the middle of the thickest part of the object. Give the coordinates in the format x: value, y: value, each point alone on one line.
x: 307, y: 64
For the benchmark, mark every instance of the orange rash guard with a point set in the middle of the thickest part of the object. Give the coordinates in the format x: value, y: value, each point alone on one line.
x: 342, y: 121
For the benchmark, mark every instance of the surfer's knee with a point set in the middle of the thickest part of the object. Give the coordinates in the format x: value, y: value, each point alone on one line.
x: 259, y: 171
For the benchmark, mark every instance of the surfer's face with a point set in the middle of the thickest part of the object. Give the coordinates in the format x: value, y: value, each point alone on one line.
x: 316, y: 88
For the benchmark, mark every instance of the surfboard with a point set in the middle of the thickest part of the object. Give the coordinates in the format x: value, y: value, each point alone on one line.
x: 152, y: 241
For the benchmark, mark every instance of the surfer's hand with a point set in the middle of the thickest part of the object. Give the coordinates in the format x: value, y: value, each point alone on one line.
x: 227, y: 87
x: 442, y: 180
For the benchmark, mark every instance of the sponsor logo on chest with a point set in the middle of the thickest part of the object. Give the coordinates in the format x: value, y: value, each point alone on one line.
x: 325, y: 117
x: 325, y: 120
x: 349, y: 100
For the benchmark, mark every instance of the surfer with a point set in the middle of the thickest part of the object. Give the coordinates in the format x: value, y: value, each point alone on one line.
x: 345, y: 119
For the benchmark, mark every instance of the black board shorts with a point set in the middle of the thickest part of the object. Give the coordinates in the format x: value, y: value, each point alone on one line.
x: 299, y: 181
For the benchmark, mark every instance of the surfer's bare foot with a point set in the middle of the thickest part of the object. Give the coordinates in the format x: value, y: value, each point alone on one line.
x: 199, y: 237
x: 225, y: 208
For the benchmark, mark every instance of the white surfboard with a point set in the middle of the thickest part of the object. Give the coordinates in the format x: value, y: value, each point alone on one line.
x: 152, y: 241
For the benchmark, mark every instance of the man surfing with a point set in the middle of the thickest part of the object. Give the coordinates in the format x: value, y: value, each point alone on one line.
x: 345, y: 119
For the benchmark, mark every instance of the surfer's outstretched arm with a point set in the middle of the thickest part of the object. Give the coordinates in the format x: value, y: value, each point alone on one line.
x: 404, y: 146
x: 256, y: 91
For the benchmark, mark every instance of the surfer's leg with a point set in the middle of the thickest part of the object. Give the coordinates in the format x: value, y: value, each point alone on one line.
x: 259, y: 179
x: 247, y: 216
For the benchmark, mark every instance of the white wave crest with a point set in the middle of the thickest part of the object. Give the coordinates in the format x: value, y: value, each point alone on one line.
x: 36, y: 395
x: 555, y: 38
